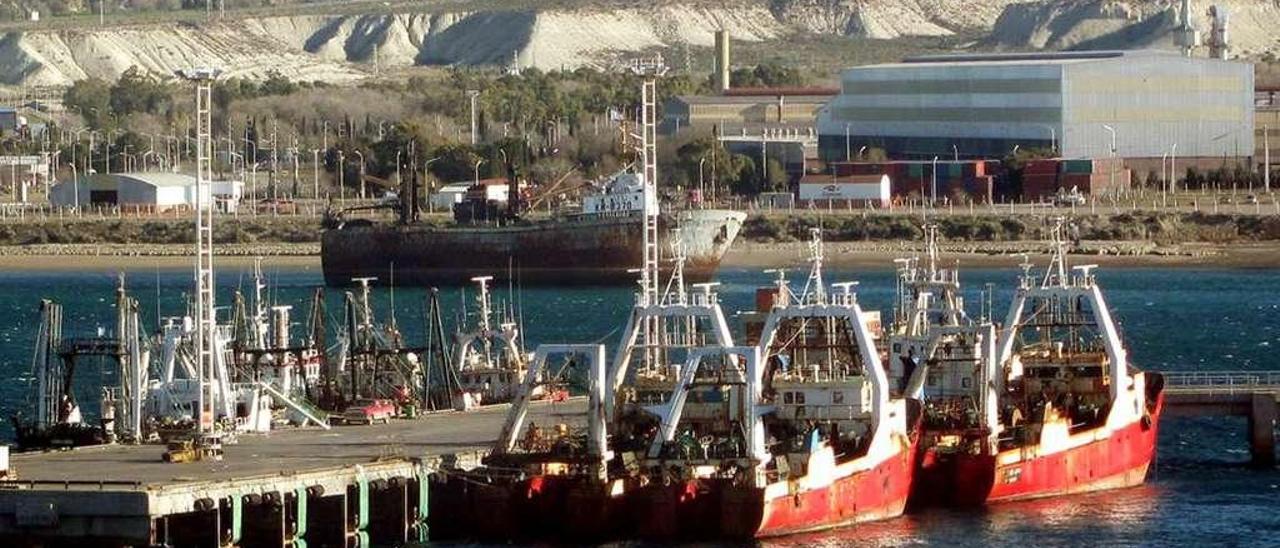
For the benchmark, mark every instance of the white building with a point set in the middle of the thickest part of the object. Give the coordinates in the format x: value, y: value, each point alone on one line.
x: 853, y: 189
x: 449, y: 194
x: 986, y: 104
x: 149, y: 191
x: 454, y: 193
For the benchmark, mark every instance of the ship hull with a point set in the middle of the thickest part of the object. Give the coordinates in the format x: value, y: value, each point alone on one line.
x: 1118, y: 460
x: 719, y: 509
x: 570, y: 252
x: 538, y: 508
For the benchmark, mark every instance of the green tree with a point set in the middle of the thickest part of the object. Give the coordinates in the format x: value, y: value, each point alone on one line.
x: 456, y: 163
x: 137, y: 91
x: 92, y: 98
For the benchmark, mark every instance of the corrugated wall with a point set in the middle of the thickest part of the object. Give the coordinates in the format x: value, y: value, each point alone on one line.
x: 1155, y: 101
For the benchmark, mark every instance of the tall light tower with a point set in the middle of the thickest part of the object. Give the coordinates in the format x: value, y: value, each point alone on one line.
x: 650, y: 70
x: 205, y: 326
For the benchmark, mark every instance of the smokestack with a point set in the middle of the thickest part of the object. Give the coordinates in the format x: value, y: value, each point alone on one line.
x: 722, y: 61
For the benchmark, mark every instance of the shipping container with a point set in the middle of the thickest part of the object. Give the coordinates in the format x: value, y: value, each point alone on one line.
x: 1041, y: 166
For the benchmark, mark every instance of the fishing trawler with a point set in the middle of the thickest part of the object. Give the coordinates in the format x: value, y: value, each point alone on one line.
x: 798, y: 433
x: 491, y: 363
x: 1073, y: 415
x: 945, y: 359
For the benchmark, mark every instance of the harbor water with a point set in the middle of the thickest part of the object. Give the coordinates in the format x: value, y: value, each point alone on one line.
x: 1200, y: 490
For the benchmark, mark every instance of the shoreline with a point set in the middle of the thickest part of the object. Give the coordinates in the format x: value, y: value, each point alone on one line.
x: 743, y: 254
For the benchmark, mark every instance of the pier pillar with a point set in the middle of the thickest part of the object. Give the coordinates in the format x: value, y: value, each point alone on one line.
x: 389, y: 518
x: 358, y: 513
x: 263, y: 523
x: 326, y: 523
x: 295, y: 518
x: 1262, y: 430
x: 201, y: 528
x: 419, y: 489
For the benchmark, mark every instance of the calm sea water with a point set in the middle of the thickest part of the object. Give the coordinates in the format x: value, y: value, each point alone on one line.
x: 1201, y: 492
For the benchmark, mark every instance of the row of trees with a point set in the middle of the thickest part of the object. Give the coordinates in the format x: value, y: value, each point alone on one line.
x: 548, y: 126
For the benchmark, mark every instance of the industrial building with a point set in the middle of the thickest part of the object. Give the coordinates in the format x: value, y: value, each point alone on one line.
x: 143, y: 192
x: 1079, y: 103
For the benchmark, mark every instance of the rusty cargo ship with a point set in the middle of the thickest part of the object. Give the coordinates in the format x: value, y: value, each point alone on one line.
x: 600, y: 243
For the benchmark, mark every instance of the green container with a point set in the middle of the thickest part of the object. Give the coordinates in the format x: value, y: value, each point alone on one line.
x: 1077, y: 166
x: 915, y: 170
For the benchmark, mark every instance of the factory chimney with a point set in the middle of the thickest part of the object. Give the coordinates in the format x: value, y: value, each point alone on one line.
x: 722, y: 61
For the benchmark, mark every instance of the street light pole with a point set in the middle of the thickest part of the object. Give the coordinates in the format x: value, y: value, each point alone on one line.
x: 361, y: 155
x: 473, y: 94
x: 933, y: 194
x: 1266, y: 159
x: 342, y: 179
x: 315, y: 173
x: 847, y: 148
x: 700, y: 178
x: 1173, y: 170
x: 1113, y: 156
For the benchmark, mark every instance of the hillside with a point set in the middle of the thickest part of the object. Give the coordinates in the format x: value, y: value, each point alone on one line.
x: 340, y: 42
x: 1108, y: 24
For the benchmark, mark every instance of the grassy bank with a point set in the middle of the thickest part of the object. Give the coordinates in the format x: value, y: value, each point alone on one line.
x: 1159, y: 228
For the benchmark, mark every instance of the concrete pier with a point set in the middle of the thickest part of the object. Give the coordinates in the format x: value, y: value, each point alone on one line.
x: 1252, y: 395
x: 349, y: 486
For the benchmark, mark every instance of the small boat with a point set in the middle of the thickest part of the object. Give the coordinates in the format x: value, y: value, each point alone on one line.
x: 490, y: 362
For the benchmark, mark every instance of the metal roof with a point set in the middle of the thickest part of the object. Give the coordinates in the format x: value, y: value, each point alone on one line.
x: 1034, y: 58
x: 158, y: 178
x: 751, y: 99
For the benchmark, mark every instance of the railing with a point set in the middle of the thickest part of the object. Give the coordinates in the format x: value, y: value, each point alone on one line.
x: 1228, y: 382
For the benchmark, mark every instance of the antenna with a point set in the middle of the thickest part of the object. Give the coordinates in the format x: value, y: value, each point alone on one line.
x: 814, y: 283
x: 1057, y: 271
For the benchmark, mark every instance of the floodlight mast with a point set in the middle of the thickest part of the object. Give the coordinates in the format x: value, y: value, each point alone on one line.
x: 206, y: 343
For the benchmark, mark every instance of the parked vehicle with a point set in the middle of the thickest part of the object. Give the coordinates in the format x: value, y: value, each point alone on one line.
x: 369, y: 411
